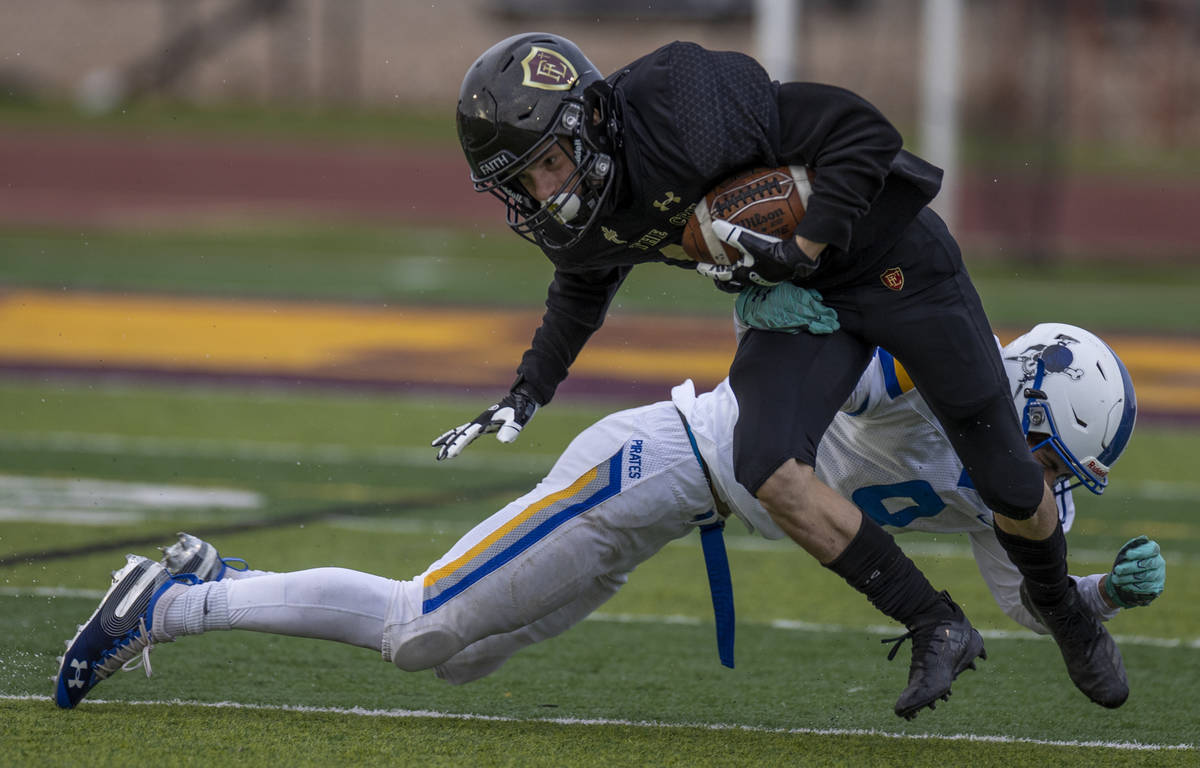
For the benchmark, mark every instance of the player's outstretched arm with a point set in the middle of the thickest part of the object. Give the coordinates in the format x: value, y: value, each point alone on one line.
x: 506, y: 418
x: 1138, y: 575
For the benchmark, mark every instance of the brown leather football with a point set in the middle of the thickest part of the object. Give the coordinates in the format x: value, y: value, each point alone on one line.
x: 769, y: 201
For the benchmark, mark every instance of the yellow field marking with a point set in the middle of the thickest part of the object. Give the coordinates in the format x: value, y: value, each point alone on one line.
x: 450, y: 346
x: 209, y: 333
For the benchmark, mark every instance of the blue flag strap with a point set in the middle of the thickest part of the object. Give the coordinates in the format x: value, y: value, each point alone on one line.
x: 712, y: 541
x: 716, y: 562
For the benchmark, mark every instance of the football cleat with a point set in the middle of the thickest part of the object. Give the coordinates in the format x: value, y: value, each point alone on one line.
x: 117, y: 632
x: 196, y: 556
x: 942, y: 648
x: 1093, y: 659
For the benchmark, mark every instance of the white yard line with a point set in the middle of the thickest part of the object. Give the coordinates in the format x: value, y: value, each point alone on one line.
x: 72, y: 517
x: 86, y: 501
x: 433, y: 714
x: 90, y: 594
x: 787, y: 625
x: 24, y: 490
x: 794, y: 625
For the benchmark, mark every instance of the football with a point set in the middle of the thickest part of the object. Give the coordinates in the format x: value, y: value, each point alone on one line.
x: 769, y: 201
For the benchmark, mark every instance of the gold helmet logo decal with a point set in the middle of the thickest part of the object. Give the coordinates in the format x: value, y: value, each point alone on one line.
x: 548, y: 70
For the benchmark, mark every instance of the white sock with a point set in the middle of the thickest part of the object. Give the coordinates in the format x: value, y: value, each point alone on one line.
x: 190, y: 610
x: 325, y: 603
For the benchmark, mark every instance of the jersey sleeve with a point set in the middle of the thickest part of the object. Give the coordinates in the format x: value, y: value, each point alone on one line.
x: 868, y: 392
x: 1002, y: 578
x: 722, y: 104
x: 576, y: 304
x: 699, y: 113
x: 884, y: 379
x: 848, y: 143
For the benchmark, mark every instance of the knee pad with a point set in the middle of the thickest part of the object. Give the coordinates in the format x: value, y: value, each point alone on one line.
x: 1014, y: 491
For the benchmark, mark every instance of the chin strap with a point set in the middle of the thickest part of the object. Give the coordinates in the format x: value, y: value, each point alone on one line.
x: 716, y: 562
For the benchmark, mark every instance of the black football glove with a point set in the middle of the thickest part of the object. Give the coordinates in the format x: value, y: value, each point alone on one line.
x: 728, y: 286
x: 506, y: 418
x: 766, y: 260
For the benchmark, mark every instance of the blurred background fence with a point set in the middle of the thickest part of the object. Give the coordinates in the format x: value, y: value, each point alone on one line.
x: 1076, y: 122
x: 1097, y: 71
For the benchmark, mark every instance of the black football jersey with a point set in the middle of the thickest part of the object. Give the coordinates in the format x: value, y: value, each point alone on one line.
x: 689, y: 118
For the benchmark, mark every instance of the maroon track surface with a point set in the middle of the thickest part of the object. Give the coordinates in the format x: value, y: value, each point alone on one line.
x: 70, y: 178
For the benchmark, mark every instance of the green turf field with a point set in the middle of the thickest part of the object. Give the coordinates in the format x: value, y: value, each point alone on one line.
x: 325, y: 479
x: 291, y: 478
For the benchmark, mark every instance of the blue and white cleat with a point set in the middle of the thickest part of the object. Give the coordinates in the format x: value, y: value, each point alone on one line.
x: 115, y: 634
x: 196, y: 556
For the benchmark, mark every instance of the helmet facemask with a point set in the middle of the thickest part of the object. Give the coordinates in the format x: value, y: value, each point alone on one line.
x: 521, y: 98
x: 566, y: 216
x: 1038, y: 418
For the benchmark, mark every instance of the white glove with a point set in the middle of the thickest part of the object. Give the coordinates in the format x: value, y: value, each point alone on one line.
x: 506, y: 418
x: 766, y: 260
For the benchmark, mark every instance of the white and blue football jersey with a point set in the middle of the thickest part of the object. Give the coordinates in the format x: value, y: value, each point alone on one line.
x: 886, y: 453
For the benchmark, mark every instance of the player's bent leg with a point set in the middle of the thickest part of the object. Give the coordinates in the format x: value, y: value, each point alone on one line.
x: 810, y: 512
x: 564, y: 576
x: 944, y: 644
x: 855, y: 547
x: 515, y: 569
x: 1093, y: 660
x: 1037, y: 545
x: 851, y: 544
x: 976, y: 411
x: 624, y: 488
x: 484, y: 657
x: 943, y: 647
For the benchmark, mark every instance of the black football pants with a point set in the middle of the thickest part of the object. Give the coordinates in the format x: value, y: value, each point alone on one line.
x: 790, y: 386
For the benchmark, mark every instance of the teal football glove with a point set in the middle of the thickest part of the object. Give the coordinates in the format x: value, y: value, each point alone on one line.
x: 1138, y: 575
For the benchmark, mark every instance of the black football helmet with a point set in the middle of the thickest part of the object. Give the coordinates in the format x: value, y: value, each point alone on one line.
x: 519, y: 99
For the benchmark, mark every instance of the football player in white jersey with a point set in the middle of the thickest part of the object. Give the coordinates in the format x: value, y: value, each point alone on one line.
x: 623, y: 489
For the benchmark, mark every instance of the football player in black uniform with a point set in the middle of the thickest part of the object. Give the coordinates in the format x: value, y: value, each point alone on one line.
x: 603, y: 173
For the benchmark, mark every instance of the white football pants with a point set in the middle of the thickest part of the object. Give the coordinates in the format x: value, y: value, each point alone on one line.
x: 622, y: 489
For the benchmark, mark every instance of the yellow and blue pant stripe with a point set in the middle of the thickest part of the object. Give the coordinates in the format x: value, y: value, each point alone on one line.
x: 525, y: 529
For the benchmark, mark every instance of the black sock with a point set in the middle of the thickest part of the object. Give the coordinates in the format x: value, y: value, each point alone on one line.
x: 1042, y: 563
x: 874, y: 565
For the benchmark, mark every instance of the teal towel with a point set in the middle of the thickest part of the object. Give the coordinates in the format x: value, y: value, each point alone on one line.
x: 785, y: 307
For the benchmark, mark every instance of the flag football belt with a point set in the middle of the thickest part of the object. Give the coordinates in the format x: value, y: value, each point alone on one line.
x: 716, y: 562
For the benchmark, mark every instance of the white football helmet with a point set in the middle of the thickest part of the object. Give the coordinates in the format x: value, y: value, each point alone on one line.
x: 1069, y: 385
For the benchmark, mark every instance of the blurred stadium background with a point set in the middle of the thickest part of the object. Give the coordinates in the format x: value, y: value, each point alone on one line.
x: 1070, y: 133
x: 1077, y: 119
x: 238, y: 247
